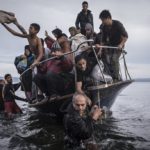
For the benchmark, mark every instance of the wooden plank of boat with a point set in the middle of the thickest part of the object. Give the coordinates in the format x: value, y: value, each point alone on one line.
x: 44, y: 101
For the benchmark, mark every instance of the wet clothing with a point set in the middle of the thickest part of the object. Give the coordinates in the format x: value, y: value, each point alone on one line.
x: 12, y: 107
x: 56, y: 78
x: 83, y: 19
x: 9, y: 92
x: 9, y: 98
x: 112, y: 36
x: 77, y: 128
x: 1, y: 98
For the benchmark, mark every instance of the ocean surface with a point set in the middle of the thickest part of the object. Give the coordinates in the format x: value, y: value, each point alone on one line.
x: 127, y: 129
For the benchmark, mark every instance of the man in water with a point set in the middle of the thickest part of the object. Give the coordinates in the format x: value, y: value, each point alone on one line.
x: 9, y: 97
x: 33, y: 39
x: 84, y: 17
x: 113, y: 34
x: 79, y: 123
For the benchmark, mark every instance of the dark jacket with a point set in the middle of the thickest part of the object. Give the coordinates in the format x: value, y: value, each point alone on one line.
x: 77, y: 128
x: 83, y: 19
x: 9, y: 92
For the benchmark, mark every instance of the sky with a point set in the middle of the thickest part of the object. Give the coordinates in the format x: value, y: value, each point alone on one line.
x: 134, y: 14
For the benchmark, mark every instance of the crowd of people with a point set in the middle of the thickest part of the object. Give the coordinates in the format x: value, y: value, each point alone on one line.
x: 55, y: 73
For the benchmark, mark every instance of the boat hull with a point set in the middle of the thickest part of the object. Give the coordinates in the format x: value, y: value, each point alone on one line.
x: 107, y: 96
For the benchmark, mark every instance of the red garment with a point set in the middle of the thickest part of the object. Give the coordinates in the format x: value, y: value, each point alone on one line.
x: 12, y: 107
x: 57, y: 66
x: 60, y: 65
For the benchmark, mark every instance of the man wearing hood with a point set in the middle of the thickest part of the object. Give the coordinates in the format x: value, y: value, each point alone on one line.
x: 84, y: 17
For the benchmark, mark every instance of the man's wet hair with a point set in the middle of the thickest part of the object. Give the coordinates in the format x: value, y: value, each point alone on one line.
x: 27, y: 47
x: 105, y: 14
x: 57, y: 32
x: 79, y: 57
x: 72, y: 29
x: 7, y: 75
x: 85, y: 2
x: 36, y: 26
x: 76, y: 94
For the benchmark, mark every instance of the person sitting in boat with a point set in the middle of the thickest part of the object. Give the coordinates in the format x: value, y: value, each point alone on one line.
x: 61, y: 42
x: 113, y: 34
x: 84, y: 69
x: 48, y: 40
x: 76, y: 39
x: 79, y: 123
x: 90, y: 34
x: 56, y: 80
x: 2, y: 82
x: 22, y: 63
x: 9, y: 97
x: 88, y: 74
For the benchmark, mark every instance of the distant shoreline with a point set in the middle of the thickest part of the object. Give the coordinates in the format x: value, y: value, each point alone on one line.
x: 142, y: 80
x: 135, y: 80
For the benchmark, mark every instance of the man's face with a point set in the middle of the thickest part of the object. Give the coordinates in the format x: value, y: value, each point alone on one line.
x: 106, y: 21
x: 72, y: 33
x: 82, y: 64
x: 85, y: 7
x: 55, y: 35
x: 32, y: 30
x: 27, y: 52
x: 9, y: 79
x: 88, y: 31
x: 80, y: 104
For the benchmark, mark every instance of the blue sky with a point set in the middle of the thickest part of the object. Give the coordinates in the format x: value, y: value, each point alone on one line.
x: 134, y: 14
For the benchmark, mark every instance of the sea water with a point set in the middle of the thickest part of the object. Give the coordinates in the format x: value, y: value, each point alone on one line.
x: 127, y: 129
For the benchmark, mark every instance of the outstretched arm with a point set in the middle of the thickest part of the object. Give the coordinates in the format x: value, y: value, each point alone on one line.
x: 14, y: 32
x: 20, y: 27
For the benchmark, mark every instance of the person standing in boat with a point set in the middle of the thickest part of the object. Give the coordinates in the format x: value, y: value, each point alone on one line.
x: 113, y: 34
x: 33, y: 39
x: 84, y: 17
x: 9, y: 97
x: 79, y: 123
x: 2, y: 82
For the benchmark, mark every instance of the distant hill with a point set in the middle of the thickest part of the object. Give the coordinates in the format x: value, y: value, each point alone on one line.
x: 142, y: 80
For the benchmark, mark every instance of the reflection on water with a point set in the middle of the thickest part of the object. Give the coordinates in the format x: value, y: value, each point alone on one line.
x: 127, y: 129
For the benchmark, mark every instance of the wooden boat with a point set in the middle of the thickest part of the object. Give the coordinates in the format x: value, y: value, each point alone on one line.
x: 107, y: 96
x: 105, y: 93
